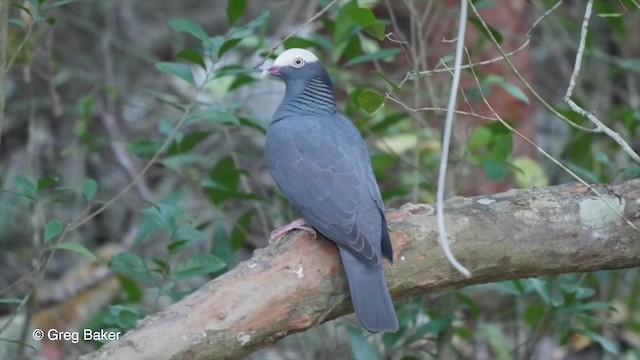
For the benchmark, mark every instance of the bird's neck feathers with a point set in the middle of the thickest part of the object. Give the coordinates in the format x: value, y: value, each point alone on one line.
x: 313, y: 95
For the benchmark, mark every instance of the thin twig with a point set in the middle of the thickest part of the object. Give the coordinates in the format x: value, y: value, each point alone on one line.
x: 600, y: 126
x: 34, y: 15
x: 108, y: 113
x: 521, y: 78
x: 411, y: 75
x: 551, y: 158
x: 446, y: 139
x: 311, y: 19
x: 243, y: 180
x: 79, y: 222
x: 583, y: 39
x: 437, y: 109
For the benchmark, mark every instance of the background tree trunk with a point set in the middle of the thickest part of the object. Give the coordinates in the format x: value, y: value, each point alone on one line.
x: 297, y: 282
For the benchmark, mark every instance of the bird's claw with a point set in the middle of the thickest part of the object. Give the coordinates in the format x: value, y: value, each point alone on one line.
x: 298, y: 224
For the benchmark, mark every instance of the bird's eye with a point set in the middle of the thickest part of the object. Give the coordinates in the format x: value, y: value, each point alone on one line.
x: 298, y: 62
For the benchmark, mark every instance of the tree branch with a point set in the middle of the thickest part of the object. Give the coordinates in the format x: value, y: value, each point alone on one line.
x: 297, y: 282
x: 600, y: 126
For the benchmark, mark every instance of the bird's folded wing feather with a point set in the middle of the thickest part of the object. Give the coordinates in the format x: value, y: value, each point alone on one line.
x: 318, y: 167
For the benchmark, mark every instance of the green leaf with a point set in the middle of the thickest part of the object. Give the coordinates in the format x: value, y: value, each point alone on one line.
x: 187, y: 142
x: 239, y: 81
x: 393, y: 85
x: 502, y: 147
x: 228, y: 45
x: 213, y: 116
x: 222, y: 181
x: 182, y: 25
x: 344, y: 25
x: 85, y: 106
x: 529, y: 172
x: 376, y: 29
x: 445, y: 59
x: 235, y: 8
x: 534, y: 314
x: 508, y: 288
x: 10, y: 301
x: 28, y: 187
x: 540, y: 286
x: 130, y: 264
x: 177, y: 162
x: 175, y: 246
x: 606, y: 344
x: 192, y: 56
x: 253, y: 24
x: 231, y: 70
x: 471, y: 305
x: 130, y: 288
x: 180, y: 70
x: 184, y: 237
x: 124, y: 317
x: 580, y: 292
x: 240, y: 230
x: 481, y: 4
x: 90, y: 187
x: 475, y: 22
x: 438, y: 324
x: 77, y: 248
x: 513, y: 90
x: 494, y: 170
x: 298, y: 42
x: 481, y: 136
x: 164, y: 216
x: 584, y: 308
x: 17, y: 22
x: 370, y: 101
x: 497, y: 340
x: 388, y: 121
x: 378, y: 55
x: 46, y: 181
x: 360, y: 347
x: 144, y: 147
x: 163, y: 267
x: 435, y: 326
x: 221, y: 242
x: 364, y: 18
x: 52, y: 229
x: 198, y: 264
x: 361, y: 16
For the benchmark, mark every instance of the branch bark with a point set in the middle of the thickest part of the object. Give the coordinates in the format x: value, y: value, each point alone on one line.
x: 297, y: 282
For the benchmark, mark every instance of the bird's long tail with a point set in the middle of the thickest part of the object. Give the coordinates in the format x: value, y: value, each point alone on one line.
x: 369, y: 294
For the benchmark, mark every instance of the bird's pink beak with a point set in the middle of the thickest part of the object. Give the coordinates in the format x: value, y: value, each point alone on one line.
x: 273, y: 71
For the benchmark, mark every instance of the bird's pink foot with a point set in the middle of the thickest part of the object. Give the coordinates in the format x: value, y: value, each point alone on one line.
x: 298, y: 224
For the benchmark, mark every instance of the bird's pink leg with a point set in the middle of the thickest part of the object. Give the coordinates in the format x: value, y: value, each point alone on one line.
x: 298, y: 224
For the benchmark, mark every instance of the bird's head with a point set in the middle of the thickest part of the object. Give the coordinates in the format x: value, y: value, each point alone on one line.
x: 294, y: 63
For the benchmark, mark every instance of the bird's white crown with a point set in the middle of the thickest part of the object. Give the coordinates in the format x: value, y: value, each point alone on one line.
x: 295, y: 57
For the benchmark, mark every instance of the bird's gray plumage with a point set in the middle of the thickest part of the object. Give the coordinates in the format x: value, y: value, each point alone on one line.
x: 320, y: 162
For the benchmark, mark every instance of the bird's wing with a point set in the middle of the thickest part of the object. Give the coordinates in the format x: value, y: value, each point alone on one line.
x: 318, y: 165
x: 366, y: 169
